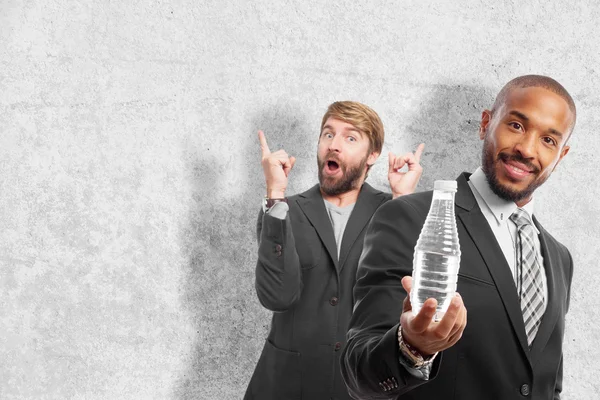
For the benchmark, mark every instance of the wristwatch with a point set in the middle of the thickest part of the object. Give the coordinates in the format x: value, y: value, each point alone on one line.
x: 411, y: 356
x: 271, y: 202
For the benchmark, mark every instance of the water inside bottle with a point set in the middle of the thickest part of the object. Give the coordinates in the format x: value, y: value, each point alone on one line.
x: 435, y: 277
x: 437, y: 253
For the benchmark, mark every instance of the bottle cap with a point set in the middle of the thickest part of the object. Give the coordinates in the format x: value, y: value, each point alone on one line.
x: 449, y: 186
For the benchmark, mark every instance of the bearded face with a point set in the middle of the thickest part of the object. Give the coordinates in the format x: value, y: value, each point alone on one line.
x: 343, y: 156
x: 523, y: 141
x: 515, y: 161
x: 337, y: 177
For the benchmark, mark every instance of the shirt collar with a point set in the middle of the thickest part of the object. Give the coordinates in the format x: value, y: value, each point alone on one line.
x: 500, y: 208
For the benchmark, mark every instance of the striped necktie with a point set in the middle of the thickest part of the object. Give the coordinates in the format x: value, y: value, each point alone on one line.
x: 529, y: 284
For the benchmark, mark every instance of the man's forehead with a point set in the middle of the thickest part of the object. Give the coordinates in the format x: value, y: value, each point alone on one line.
x: 334, y: 123
x: 539, y: 105
x: 537, y: 98
x: 534, y: 95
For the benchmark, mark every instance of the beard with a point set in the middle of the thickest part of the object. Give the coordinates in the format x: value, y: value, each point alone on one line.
x: 503, y: 191
x: 351, y: 176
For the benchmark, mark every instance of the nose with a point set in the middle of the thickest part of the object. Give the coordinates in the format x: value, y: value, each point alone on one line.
x: 526, y: 144
x: 336, y: 143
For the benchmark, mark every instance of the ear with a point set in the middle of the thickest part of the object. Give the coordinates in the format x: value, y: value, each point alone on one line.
x: 486, y: 117
x: 372, y: 158
x: 563, y: 153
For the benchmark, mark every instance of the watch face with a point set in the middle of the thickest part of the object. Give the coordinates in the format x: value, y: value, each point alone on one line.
x: 418, y: 362
x: 411, y: 356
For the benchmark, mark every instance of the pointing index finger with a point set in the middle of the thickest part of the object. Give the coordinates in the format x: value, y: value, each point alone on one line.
x: 419, y: 152
x: 263, y: 143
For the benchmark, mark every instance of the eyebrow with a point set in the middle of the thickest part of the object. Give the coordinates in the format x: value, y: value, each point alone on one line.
x: 519, y: 115
x: 526, y: 118
x: 556, y: 133
x: 349, y: 129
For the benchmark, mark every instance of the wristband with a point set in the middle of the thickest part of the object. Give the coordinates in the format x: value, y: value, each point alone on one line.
x: 271, y: 202
x: 412, y: 355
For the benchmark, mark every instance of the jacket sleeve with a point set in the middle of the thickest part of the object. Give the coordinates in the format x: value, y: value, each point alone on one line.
x: 559, y: 378
x: 278, y: 274
x: 559, y: 374
x: 370, y: 360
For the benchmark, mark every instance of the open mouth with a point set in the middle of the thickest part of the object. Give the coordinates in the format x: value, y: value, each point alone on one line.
x: 332, y: 168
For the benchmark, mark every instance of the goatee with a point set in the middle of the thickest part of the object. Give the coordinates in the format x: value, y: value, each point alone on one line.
x: 349, y: 180
x: 504, y: 192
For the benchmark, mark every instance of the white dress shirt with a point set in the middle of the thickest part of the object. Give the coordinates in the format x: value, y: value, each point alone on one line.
x: 497, y: 212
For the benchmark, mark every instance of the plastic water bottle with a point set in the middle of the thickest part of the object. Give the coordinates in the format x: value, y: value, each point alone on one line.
x: 437, y: 253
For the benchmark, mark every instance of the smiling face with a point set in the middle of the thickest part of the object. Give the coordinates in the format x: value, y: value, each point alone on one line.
x: 524, y: 140
x: 342, y: 157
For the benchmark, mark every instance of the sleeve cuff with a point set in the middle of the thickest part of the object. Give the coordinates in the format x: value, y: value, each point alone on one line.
x: 419, y: 373
x: 279, y: 210
x: 422, y: 372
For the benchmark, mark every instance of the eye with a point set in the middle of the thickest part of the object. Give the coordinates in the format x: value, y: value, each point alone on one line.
x: 327, y: 135
x: 516, y: 125
x: 351, y: 139
x: 549, y: 140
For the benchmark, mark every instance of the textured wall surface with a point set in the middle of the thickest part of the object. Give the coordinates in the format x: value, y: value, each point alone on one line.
x: 130, y: 177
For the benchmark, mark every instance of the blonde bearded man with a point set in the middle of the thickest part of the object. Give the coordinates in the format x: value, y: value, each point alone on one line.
x: 309, y: 246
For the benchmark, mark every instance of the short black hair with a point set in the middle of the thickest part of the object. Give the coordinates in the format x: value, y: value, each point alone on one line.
x: 541, y: 81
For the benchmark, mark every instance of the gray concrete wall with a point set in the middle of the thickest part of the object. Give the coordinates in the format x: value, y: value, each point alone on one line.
x: 130, y: 177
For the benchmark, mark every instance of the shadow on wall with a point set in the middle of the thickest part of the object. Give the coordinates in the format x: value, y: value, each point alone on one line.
x: 220, y: 240
x: 220, y: 236
x: 448, y: 124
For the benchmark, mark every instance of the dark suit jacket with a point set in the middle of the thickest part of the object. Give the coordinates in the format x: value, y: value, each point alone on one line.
x: 492, y: 359
x: 299, y: 278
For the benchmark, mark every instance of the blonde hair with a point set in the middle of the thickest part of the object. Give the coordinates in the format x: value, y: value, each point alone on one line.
x: 364, y: 118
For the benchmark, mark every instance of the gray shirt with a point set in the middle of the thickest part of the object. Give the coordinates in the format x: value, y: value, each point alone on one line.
x: 337, y: 215
x: 339, y: 218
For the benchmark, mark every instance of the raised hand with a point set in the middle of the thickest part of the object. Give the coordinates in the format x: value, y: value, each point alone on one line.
x: 426, y: 335
x: 402, y: 183
x: 276, y: 167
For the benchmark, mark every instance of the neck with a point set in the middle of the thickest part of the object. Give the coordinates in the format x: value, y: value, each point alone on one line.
x: 523, y: 202
x: 344, y: 199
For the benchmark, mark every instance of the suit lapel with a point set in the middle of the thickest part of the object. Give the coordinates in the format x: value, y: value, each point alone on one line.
x: 367, y: 203
x: 480, y: 232
x: 311, y: 204
x: 552, y: 309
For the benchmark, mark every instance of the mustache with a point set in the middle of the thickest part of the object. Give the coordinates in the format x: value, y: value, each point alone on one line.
x: 519, y: 158
x: 331, y: 156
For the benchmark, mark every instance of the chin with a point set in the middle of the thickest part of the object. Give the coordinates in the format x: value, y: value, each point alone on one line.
x: 507, y: 189
x: 515, y: 187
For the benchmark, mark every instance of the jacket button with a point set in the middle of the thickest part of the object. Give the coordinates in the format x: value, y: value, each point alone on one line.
x: 278, y: 247
x: 278, y: 254
x: 337, y: 346
x: 333, y: 301
x: 525, y: 389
